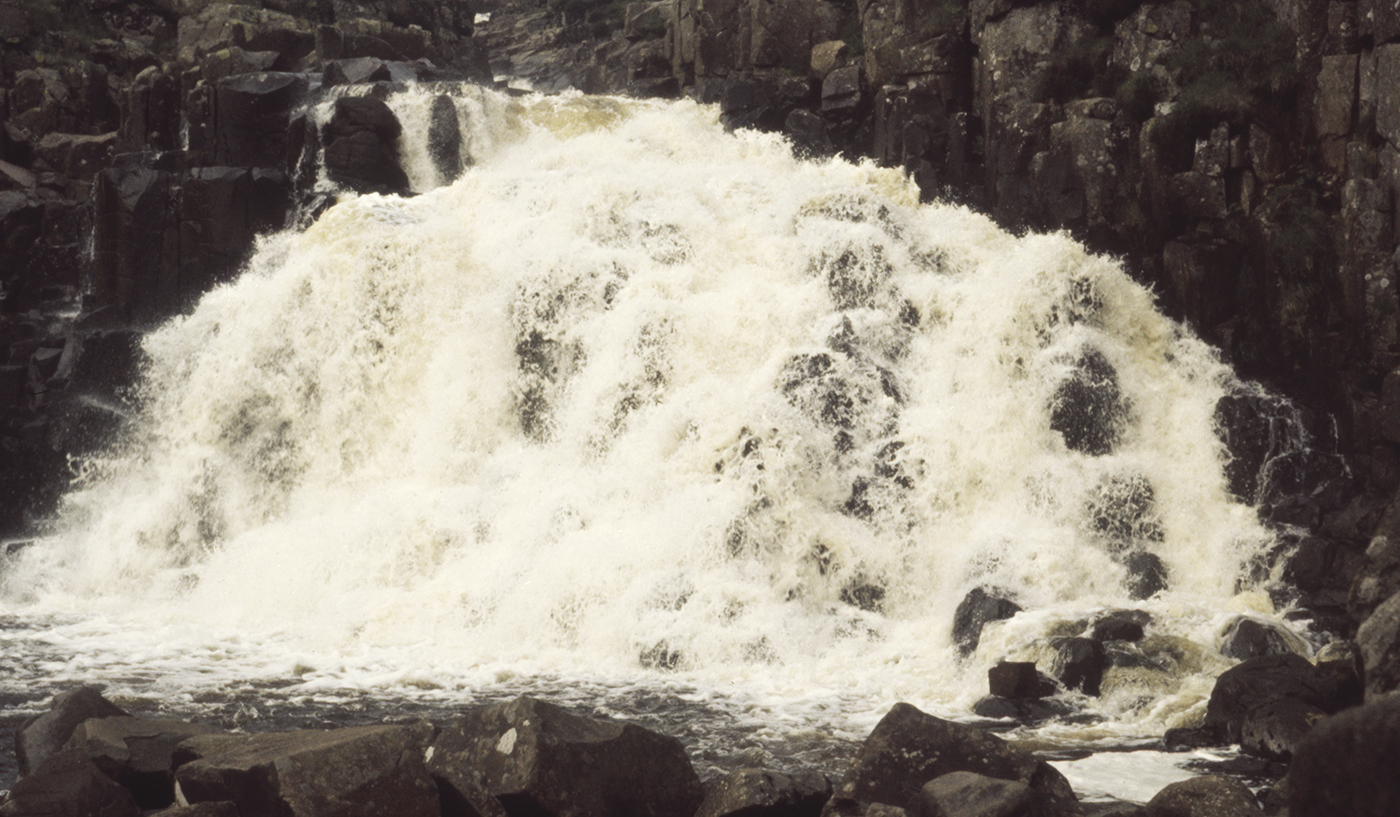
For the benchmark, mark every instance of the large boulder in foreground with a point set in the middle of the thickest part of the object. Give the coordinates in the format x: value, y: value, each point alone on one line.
x: 909, y: 748
x: 363, y: 771
x: 137, y: 753
x: 540, y: 759
x: 69, y: 783
x: 46, y: 734
x: 1346, y: 765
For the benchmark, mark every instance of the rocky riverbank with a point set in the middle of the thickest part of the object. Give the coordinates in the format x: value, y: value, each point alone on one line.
x: 529, y: 757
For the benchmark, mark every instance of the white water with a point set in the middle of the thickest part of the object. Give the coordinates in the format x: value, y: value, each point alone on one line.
x: 544, y: 423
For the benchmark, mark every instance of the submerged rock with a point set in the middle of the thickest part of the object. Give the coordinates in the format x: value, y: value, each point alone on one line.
x: 1088, y: 407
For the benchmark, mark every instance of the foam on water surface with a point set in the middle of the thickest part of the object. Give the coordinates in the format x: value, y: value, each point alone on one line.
x: 639, y: 401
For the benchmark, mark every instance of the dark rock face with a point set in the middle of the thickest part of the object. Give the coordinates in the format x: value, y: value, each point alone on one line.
x: 360, y: 152
x: 909, y: 746
x: 1379, y: 640
x: 45, y: 735
x: 761, y: 793
x: 365, y: 770
x: 1018, y: 679
x: 1260, y: 681
x: 1250, y: 638
x: 976, y: 609
x: 537, y: 758
x: 1344, y: 766
x: 445, y: 139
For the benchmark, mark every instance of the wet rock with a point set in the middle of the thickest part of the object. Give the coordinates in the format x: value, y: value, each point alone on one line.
x: 909, y: 747
x: 445, y: 138
x: 221, y: 210
x: 1346, y: 764
x: 361, y: 151
x: 137, y: 753
x: 1379, y: 640
x: 1120, y: 625
x: 1275, y: 729
x: 135, y: 241
x: 1260, y: 681
x: 1147, y: 574
x: 1206, y: 796
x: 364, y: 770
x: 1255, y: 427
x: 762, y: 793
x: 962, y: 794
x: 1088, y: 408
x: 1018, y: 679
x: 976, y: 609
x: 1251, y: 638
x: 1079, y: 664
x: 354, y: 71
x: 1029, y: 711
x: 540, y: 759
x: 46, y: 734
x: 230, y: 62
x: 808, y: 133
x: 68, y: 783
x: 74, y: 155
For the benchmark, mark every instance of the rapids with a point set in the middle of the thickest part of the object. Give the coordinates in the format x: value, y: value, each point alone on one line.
x: 637, y: 406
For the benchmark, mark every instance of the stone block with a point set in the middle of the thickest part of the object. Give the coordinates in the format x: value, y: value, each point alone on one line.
x: 1388, y: 92
x: 1336, y: 95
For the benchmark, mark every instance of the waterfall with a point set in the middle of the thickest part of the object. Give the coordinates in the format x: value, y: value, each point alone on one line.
x: 634, y: 397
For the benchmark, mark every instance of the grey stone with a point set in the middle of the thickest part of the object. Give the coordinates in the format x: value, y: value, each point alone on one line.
x: 763, y: 793
x: 542, y: 759
x: 828, y: 56
x: 909, y: 747
x: 1336, y: 95
x: 967, y: 794
x: 1206, y: 796
x: 46, y: 734
x: 1379, y: 640
x: 1388, y: 92
x: 137, y: 752
x: 366, y: 771
x: 68, y: 784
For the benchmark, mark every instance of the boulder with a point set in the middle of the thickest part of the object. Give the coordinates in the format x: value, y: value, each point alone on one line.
x: 1205, y: 796
x: 445, y: 139
x: 76, y: 156
x: 137, y: 752
x: 540, y: 759
x: 1120, y: 625
x: 763, y: 102
x: 362, y: 771
x: 1379, y: 640
x: 1275, y: 729
x: 46, y: 734
x: 1029, y: 711
x: 1088, y: 408
x: 68, y: 783
x: 908, y: 748
x: 1250, y: 638
x: 1079, y: 664
x: 1259, y: 681
x: 1346, y: 764
x: 361, y: 146
x: 763, y: 793
x: 967, y: 794
x: 976, y: 609
x: 1147, y: 574
x: 1018, y: 679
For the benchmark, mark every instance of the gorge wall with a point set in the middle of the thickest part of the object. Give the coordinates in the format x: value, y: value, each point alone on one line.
x: 1241, y: 157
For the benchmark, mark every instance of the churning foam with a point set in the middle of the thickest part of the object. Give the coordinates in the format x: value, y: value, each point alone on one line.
x: 638, y: 397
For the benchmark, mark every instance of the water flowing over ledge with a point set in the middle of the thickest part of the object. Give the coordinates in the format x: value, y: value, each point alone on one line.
x: 637, y: 398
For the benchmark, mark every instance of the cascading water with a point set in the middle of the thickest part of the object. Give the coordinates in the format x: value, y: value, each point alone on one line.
x: 634, y: 405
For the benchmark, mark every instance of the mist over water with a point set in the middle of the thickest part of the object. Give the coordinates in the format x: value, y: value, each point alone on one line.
x: 637, y: 403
